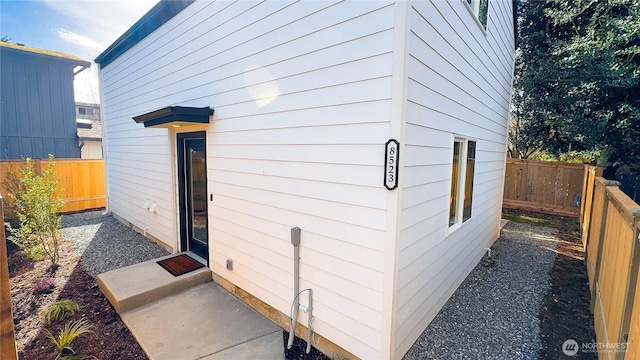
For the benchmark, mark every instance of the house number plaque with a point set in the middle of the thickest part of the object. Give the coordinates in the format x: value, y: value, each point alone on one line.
x: 391, y: 157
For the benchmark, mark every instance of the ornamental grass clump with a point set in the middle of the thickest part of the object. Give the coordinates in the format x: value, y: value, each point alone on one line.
x: 36, y: 203
x: 59, y: 310
x: 71, y: 331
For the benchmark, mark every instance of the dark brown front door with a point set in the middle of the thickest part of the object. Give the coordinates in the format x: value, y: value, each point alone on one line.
x: 192, y: 165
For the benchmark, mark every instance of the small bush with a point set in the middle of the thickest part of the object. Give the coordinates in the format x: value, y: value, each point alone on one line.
x: 36, y: 203
x: 59, y: 310
x: 71, y: 331
x: 44, y: 286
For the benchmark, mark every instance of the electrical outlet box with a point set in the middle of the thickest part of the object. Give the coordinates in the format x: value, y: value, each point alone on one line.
x: 229, y: 264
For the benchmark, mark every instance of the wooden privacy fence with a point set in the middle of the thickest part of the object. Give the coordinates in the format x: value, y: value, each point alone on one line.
x: 610, y: 223
x: 543, y: 186
x: 81, y: 181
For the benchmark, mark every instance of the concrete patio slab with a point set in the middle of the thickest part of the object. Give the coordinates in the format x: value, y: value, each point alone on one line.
x: 133, y: 286
x: 203, y: 322
x: 269, y: 347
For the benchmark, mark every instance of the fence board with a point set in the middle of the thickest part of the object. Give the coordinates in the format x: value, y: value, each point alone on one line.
x: 543, y: 186
x: 81, y: 184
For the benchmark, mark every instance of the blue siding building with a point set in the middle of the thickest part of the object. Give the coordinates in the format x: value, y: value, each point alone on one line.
x: 37, y: 107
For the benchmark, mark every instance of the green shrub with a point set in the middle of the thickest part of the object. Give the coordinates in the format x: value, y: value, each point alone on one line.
x: 59, y: 310
x: 36, y: 206
x: 71, y: 331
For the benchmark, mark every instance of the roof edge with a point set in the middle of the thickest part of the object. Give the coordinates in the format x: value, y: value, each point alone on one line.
x: 162, y: 12
x: 44, y: 53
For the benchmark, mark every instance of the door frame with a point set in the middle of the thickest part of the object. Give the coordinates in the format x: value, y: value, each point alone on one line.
x: 182, y: 203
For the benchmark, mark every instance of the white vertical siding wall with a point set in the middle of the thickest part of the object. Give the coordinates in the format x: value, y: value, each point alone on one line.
x: 301, y: 93
x: 91, y: 150
x: 459, y: 83
x: 139, y: 163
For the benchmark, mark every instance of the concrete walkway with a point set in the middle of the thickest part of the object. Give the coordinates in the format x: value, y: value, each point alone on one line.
x: 203, y: 321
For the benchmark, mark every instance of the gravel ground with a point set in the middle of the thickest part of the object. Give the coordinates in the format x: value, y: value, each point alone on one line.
x: 105, y: 243
x: 493, y: 314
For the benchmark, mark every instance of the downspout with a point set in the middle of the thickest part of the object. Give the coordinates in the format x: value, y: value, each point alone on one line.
x: 506, y: 136
x: 75, y: 73
x: 103, y: 119
x: 82, y: 68
x: 295, y: 241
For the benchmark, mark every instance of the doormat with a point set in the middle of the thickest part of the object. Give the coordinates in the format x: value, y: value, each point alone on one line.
x: 179, y: 265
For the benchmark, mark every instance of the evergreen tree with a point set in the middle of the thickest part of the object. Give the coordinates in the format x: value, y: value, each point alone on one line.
x: 577, y: 78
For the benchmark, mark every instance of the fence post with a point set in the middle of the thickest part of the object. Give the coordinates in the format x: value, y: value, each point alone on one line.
x: 7, y: 333
x: 38, y: 166
x: 586, y: 202
x: 585, y: 186
x: 600, y: 239
x: 603, y: 228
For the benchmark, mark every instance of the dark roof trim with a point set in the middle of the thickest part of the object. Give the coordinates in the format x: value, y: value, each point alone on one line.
x: 152, y: 20
x: 175, y: 114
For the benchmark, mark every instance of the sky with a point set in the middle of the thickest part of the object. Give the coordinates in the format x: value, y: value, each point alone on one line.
x: 83, y: 28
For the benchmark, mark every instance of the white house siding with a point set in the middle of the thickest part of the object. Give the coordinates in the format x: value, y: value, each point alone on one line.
x: 138, y: 165
x: 459, y: 83
x: 301, y: 93
x: 139, y: 169
x: 91, y: 150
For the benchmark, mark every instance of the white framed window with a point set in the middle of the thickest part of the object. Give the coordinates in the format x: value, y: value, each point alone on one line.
x: 480, y: 9
x: 462, y: 175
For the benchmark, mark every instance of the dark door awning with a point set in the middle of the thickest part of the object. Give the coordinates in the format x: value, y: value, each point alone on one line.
x: 175, y: 116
